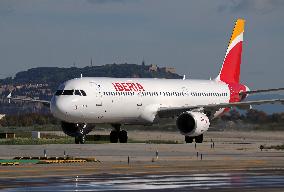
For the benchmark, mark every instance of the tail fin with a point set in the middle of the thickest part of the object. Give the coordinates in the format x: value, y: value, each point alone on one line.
x: 230, y: 71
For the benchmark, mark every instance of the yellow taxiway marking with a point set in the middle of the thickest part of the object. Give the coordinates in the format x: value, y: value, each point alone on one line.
x: 121, y: 166
x: 256, y: 161
x: 37, y: 169
x: 152, y: 166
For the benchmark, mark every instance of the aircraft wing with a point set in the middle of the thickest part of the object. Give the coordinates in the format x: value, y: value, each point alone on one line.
x: 173, y: 111
x: 44, y: 102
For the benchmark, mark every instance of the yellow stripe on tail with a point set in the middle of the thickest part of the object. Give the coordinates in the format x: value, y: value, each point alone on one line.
x: 238, y: 29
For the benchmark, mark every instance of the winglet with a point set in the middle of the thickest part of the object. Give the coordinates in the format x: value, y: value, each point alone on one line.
x: 230, y: 71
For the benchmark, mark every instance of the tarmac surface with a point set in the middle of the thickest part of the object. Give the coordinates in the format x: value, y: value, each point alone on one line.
x: 234, y: 163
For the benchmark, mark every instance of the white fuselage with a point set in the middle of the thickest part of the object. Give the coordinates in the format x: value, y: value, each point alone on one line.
x: 131, y: 100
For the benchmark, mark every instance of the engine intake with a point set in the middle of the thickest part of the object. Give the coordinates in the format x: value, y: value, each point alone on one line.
x: 192, y: 123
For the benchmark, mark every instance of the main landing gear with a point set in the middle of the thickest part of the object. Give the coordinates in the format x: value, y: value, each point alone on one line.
x: 118, y: 135
x: 198, y: 139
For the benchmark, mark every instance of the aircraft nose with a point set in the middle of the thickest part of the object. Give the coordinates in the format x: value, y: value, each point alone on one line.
x: 57, y: 108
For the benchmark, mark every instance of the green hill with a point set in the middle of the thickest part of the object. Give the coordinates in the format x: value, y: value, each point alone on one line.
x: 53, y: 76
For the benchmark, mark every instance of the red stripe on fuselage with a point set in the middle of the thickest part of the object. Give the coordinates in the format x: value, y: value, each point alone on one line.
x: 235, y: 90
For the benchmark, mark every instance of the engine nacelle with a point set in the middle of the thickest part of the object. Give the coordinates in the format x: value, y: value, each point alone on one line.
x: 75, y: 129
x: 192, y: 123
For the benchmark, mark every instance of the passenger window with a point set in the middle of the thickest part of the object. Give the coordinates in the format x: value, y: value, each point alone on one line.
x: 77, y: 92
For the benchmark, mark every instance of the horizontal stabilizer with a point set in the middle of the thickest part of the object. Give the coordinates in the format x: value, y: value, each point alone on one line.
x: 261, y: 91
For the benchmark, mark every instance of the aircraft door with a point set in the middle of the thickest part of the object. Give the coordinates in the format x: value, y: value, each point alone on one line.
x: 139, y: 100
x: 185, y: 91
x: 98, y: 93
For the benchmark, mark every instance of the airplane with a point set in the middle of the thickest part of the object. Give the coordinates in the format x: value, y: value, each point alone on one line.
x: 81, y: 103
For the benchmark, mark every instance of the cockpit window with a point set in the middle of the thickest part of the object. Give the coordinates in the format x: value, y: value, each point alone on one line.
x: 77, y: 92
x: 68, y: 92
x: 58, y: 92
x: 83, y: 93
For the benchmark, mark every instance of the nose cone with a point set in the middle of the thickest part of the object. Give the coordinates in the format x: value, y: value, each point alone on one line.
x: 57, y: 108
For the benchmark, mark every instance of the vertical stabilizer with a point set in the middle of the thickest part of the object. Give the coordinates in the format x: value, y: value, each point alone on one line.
x: 230, y: 71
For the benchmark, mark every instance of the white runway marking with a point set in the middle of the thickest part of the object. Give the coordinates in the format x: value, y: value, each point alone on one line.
x: 133, y: 182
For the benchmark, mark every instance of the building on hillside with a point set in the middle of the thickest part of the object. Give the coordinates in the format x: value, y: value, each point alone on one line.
x: 153, y: 67
x: 2, y: 90
x: 135, y: 76
x: 2, y: 116
x: 170, y: 69
x: 19, y: 86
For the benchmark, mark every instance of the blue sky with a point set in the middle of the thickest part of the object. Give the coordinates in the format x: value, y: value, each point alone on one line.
x: 191, y: 36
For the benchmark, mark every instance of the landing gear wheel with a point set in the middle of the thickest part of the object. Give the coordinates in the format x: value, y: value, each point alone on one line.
x: 188, y: 139
x: 123, y: 136
x: 113, y: 137
x: 199, y: 139
x: 77, y: 140
x: 80, y: 139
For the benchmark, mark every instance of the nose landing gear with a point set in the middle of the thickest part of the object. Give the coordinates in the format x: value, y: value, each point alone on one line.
x: 81, y: 139
x: 118, y: 135
x: 77, y: 130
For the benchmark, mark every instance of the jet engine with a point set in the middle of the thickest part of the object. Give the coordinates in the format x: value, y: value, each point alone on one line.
x: 192, y: 123
x: 75, y: 129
